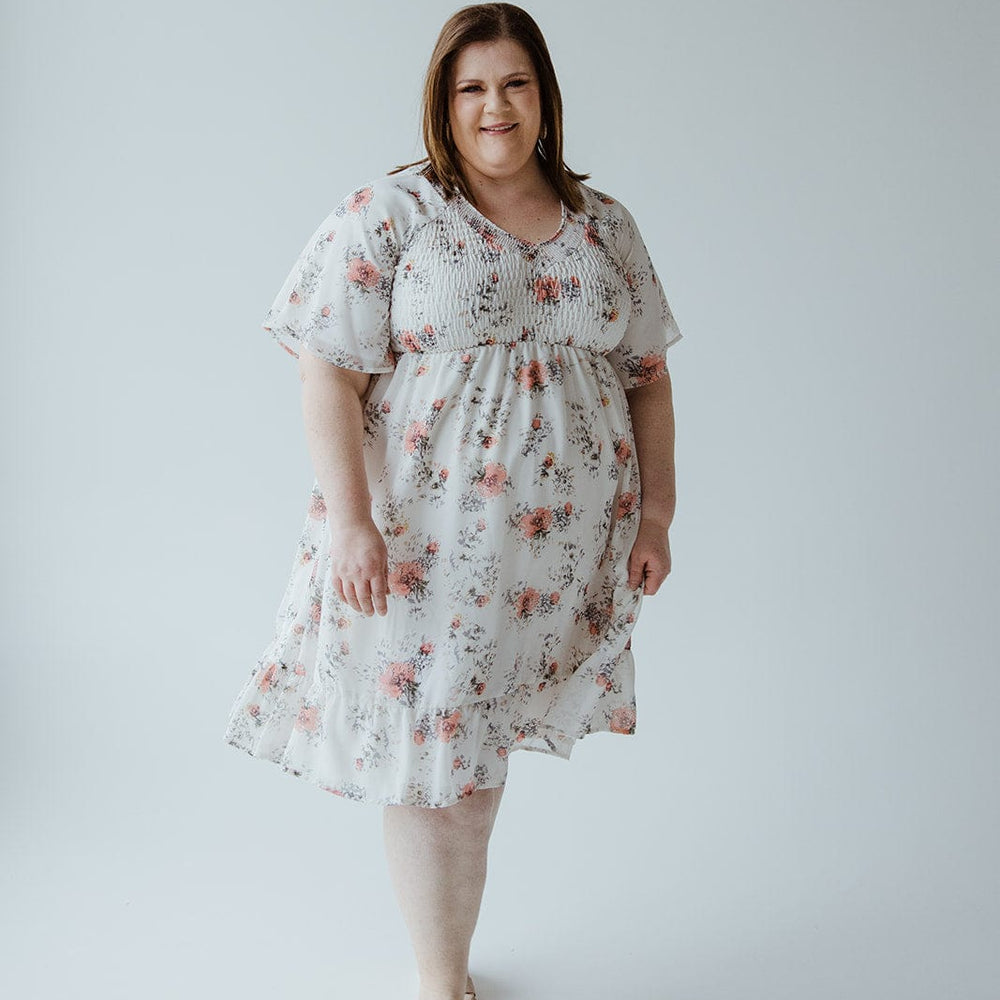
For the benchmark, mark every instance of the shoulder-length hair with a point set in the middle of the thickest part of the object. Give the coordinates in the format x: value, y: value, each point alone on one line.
x: 490, y: 22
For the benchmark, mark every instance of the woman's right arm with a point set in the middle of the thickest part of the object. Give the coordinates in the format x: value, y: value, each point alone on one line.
x: 334, y: 424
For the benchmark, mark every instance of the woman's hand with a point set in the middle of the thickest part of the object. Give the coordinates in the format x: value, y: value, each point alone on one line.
x: 650, y: 557
x: 359, y: 564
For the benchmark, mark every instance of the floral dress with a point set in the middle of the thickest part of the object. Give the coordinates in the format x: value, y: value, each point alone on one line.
x: 501, y: 462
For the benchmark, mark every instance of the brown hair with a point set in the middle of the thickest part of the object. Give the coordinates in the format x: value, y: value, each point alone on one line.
x: 490, y: 22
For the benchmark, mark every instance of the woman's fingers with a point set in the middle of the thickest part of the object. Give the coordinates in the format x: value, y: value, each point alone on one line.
x: 367, y: 596
x: 649, y: 566
x: 380, y: 592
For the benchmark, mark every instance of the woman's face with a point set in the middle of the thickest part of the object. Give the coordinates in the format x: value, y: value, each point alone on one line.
x: 494, y: 83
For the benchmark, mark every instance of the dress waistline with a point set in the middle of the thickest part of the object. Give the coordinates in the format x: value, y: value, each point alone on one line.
x: 509, y: 344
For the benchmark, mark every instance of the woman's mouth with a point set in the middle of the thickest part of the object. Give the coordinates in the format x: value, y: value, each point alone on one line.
x: 500, y: 129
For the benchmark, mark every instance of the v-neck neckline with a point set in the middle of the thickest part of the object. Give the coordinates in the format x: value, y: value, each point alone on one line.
x: 479, y: 220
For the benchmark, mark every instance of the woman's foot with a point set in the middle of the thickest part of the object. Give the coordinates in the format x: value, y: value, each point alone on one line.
x: 470, y: 989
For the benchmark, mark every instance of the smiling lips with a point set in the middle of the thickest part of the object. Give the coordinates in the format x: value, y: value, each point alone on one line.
x: 500, y: 129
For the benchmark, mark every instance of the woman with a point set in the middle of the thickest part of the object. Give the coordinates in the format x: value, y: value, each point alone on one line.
x: 482, y: 340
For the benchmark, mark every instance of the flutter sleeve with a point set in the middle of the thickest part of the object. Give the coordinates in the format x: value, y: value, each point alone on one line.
x: 640, y: 357
x: 335, y: 302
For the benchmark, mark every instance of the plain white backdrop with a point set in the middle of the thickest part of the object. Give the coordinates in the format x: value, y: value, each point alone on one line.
x: 810, y: 806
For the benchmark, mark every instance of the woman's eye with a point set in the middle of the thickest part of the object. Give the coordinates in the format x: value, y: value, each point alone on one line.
x: 475, y: 86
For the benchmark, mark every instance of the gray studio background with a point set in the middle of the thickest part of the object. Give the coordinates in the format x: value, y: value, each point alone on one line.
x: 809, y: 806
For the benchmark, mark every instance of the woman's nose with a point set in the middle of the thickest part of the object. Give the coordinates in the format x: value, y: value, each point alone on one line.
x: 496, y: 99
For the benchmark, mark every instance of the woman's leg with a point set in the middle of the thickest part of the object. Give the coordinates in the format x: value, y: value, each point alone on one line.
x: 437, y: 862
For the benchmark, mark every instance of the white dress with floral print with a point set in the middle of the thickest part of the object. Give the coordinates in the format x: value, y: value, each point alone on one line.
x: 501, y: 462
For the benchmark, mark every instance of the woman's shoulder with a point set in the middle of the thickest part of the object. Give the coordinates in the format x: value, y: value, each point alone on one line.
x: 609, y: 215
x: 404, y: 199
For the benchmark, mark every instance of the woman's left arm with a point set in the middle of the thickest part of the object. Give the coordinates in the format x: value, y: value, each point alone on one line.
x: 652, y: 410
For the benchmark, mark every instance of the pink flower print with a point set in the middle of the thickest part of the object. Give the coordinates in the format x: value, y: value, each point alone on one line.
x: 481, y: 524
x: 317, y: 507
x: 501, y: 751
x: 331, y: 236
x: 386, y: 406
x: 480, y: 687
x: 623, y: 720
x: 387, y: 224
x: 316, y: 611
x: 492, y: 483
x: 526, y: 602
x: 495, y: 277
x: 422, y: 370
x: 456, y: 622
x: 466, y: 357
x: 602, y: 680
x: 363, y: 272
x: 325, y: 311
x: 613, y: 315
x: 300, y: 670
x: 468, y: 789
x: 405, y: 577
x: 540, y: 519
x: 590, y: 233
x: 359, y: 199
x: 253, y: 710
x: 623, y: 451
x: 266, y: 681
x: 308, y: 718
x: 394, y: 679
x: 428, y: 329
x: 554, y: 598
x: 536, y: 423
x: 482, y: 600
x: 532, y: 374
x: 546, y: 287
x: 447, y: 726
x: 418, y: 737
x: 295, y: 298
x: 433, y: 545
x: 438, y: 404
x: 490, y: 240
x: 626, y: 504
x: 443, y: 473
x: 568, y: 507
x: 416, y: 433
x: 489, y: 441
x: 553, y: 667
x: 410, y: 341
x: 651, y: 367
x: 427, y: 648
x: 358, y: 763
